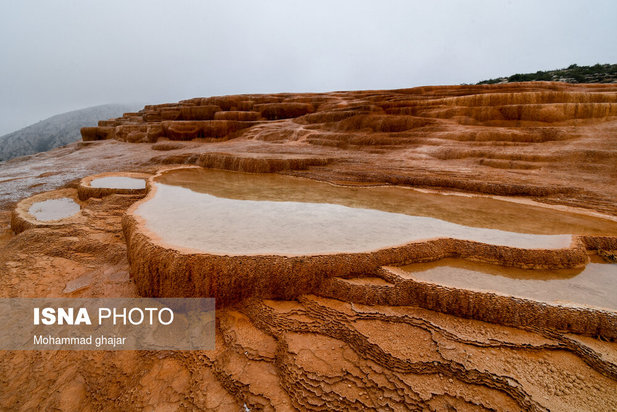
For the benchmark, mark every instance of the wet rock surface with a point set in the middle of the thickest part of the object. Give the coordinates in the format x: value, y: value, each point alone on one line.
x: 360, y: 343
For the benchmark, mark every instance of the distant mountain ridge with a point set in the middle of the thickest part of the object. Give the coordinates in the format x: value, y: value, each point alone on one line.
x: 598, y: 73
x: 56, y: 131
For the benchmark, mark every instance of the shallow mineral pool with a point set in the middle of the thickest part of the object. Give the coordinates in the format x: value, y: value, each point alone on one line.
x: 54, y: 209
x: 233, y: 213
x: 595, y: 285
x: 118, y: 182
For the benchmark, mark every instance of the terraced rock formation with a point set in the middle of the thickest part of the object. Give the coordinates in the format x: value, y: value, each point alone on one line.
x: 105, y: 184
x: 321, y: 351
x: 537, y: 139
x: 363, y: 340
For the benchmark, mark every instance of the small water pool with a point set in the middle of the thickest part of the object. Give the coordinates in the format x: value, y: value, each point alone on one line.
x: 232, y: 213
x: 118, y: 182
x: 54, y: 209
x: 595, y: 285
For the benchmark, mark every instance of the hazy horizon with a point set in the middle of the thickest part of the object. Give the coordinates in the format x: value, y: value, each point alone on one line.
x: 67, y: 55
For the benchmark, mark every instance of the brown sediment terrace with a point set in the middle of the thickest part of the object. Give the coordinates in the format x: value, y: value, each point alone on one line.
x: 580, y: 300
x: 164, y: 263
x: 500, y: 139
x: 104, y: 184
x: 593, y: 285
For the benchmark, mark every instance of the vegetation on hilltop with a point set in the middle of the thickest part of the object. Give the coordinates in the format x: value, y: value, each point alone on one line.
x: 598, y: 73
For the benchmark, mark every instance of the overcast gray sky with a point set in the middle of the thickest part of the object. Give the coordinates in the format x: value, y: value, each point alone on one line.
x: 61, y: 55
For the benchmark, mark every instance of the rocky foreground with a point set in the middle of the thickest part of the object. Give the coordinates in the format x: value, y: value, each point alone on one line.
x: 341, y: 347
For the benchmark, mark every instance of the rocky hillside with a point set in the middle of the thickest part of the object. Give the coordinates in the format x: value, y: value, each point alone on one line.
x: 598, y: 73
x: 56, y: 131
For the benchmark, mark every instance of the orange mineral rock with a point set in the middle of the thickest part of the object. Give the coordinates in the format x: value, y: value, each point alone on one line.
x: 436, y: 324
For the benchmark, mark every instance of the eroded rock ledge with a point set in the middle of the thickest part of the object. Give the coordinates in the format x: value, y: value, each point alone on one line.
x: 161, y: 270
x: 479, y: 305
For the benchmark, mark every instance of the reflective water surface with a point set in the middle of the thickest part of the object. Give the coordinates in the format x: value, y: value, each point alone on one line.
x: 226, y: 212
x: 595, y: 285
x: 118, y: 182
x: 54, y: 209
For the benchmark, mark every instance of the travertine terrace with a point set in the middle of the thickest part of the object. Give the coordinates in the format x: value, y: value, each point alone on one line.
x: 363, y: 335
x: 24, y: 217
x: 112, y: 183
